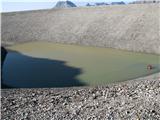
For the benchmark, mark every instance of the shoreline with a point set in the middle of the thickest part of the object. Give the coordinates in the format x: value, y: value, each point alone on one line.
x: 130, y: 99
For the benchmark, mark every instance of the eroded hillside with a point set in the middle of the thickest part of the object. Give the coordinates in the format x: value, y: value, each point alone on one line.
x: 129, y: 27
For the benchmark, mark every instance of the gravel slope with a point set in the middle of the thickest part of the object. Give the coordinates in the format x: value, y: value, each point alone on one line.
x: 132, y: 100
x: 129, y: 27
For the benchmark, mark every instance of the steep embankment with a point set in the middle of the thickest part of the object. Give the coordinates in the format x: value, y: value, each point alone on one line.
x: 129, y: 27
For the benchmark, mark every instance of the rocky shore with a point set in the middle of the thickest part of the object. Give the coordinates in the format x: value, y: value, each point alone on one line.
x: 131, y: 100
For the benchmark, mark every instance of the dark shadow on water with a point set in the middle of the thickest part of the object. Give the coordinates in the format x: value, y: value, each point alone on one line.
x: 22, y: 71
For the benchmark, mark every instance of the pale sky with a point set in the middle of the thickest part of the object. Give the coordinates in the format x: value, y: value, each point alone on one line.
x: 64, y: 0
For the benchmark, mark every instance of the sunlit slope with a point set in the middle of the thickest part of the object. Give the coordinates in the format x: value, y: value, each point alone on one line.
x: 129, y: 27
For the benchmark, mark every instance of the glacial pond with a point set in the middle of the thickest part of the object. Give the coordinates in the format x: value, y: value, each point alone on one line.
x: 44, y: 64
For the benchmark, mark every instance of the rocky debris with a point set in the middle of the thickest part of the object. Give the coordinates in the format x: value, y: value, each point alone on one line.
x: 137, y: 100
x: 65, y: 4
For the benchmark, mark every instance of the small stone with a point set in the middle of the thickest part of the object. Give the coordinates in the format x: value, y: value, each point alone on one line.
x: 153, y: 111
x: 65, y: 103
x: 33, y: 94
x: 128, y: 112
x: 94, y: 96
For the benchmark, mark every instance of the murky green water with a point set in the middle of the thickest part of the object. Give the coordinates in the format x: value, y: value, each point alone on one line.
x: 42, y: 64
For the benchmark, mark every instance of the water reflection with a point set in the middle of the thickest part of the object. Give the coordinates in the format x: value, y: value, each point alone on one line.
x: 29, y: 72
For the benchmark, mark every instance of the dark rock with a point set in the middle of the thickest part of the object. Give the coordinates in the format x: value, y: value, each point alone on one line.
x: 65, y: 4
x: 88, y: 4
x: 3, y: 55
x: 101, y: 3
x: 118, y: 3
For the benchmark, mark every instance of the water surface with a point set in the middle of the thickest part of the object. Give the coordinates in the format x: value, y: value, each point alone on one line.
x: 43, y: 64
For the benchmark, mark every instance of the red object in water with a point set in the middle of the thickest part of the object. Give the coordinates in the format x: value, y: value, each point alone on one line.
x: 149, y: 67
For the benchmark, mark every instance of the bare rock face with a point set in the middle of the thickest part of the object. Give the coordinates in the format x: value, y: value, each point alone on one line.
x: 65, y: 4
x: 3, y: 55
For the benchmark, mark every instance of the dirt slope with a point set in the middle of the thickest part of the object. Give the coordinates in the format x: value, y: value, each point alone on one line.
x: 130, y: 27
